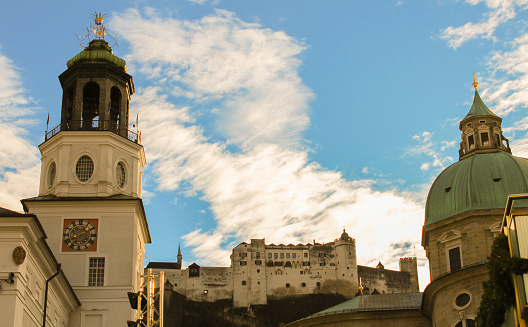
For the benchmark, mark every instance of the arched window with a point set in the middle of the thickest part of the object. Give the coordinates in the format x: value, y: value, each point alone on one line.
x: 484, y: 138
x: 115, y: 107
x: 90, y: 108
x: 68, y: 107
x: 471, y: 142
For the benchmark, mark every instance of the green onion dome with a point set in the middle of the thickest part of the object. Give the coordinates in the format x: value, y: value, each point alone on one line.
x: 97, y: 51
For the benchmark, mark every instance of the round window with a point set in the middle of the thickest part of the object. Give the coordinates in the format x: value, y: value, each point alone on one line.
x: 462, y: 299
x: 120, y: 174
x: 84, y: 168
x: 52, y: 171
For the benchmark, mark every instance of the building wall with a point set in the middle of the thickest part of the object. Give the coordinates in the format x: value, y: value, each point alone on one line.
x: 106, y: 149
x: 22, y: 303
x: 472, y: 231
x: 120, y: 241
x: 439, y: 301
x: 212, y: 284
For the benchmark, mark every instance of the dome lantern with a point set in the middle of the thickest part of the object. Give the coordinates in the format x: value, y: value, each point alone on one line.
x: 481, y: 130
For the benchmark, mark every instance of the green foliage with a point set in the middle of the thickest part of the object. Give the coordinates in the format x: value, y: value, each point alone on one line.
x: 499, y: 293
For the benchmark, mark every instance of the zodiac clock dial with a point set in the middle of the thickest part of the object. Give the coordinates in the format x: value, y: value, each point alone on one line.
x: 80, y: 234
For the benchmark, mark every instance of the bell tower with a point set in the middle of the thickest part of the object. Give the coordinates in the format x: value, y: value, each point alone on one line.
x: 92, y: 152
x: 89, y: 200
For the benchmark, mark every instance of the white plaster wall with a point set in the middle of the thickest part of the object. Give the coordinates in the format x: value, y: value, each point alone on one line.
x: 119, y: 232
x: 106, y: 149
x: 21, y: 303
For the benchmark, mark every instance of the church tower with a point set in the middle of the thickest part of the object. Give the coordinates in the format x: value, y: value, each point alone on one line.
x: 463, y: 214
x: 89, y: 200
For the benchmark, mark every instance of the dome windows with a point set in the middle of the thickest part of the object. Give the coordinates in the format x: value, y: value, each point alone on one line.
x: 471, y: 141
x: 484, y: 137
x: 84, y: 168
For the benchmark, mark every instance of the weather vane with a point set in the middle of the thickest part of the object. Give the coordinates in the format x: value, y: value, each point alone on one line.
x: 475, y: 84
x: 96, y: 30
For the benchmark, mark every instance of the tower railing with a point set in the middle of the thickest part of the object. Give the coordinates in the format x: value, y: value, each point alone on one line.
x: 93, y: 125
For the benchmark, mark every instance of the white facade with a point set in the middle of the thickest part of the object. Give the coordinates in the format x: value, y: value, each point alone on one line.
x: 22, y: 302
x: 102, y: 274
x: 106, y: 149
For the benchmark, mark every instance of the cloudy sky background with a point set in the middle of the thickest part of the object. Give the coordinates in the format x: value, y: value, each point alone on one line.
x: 282, y: 120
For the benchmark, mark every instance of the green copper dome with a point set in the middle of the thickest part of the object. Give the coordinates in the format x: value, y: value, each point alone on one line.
x: 97, y: 51
x: 486, y: 174
x: 481, y: 181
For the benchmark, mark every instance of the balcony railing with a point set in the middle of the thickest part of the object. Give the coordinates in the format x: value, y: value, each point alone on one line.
x: 94, y: 125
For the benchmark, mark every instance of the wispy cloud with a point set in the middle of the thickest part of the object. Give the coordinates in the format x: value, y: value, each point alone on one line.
x: 431, y: 150
x: 19, y: 162
x: 249, y: 71
x: 267, y: 187
x: 506, y: 90
x: 500, y: 11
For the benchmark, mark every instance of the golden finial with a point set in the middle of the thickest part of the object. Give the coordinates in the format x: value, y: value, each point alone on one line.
x: 475, y: 84
x: 99, y: 30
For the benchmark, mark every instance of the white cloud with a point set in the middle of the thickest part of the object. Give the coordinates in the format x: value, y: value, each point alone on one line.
x: 508, y: 86
x: 270, y: 191
x: 251, y: 71
x: 500, y: 12
x: 268, y: 188
x: 19, y: 162
x: 431, y: 150
x: 506, y: 90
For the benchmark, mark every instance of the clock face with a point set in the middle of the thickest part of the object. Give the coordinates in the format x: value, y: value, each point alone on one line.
x: 80, y: 235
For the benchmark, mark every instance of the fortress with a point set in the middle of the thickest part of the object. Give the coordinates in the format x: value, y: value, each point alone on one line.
x: 260, y: 272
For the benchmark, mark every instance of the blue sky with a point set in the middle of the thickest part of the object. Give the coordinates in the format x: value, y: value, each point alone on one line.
x: 279, y: 119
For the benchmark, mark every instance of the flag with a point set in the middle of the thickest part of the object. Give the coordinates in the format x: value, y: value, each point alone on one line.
x: 137, y: 119
x: 47, y: 122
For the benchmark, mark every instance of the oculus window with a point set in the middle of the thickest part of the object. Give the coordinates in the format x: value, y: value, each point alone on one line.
x: 84, y: 168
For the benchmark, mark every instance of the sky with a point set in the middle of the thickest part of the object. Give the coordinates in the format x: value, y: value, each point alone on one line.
x: 280, y: 119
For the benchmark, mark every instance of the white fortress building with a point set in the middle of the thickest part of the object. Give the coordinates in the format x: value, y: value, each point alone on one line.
x: 259, y: 272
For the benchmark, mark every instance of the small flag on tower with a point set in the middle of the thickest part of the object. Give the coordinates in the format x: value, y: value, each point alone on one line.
x: 47, y: 123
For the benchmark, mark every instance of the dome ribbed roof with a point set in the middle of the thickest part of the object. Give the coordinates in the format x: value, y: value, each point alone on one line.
x: 478, y: 109
x: 97, y: 51
x: 482, y: 181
